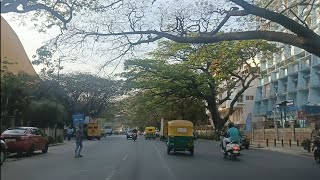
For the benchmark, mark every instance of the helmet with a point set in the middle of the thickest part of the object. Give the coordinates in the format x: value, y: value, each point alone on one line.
x: 230, y: 125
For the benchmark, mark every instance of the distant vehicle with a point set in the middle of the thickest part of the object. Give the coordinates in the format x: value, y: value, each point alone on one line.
x: 150, y: 133
x: 93, y: 131
x: 108, y: 130
x: 4, y: 148
x: 25, y: 139
x: 157, y: 133
x: 129, y: 134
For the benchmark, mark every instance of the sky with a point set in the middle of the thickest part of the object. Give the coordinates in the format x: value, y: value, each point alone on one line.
x: 31, y: 40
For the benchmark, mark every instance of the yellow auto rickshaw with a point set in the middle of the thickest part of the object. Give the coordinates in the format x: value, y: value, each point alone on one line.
x: 180, y: 136
x: 93, y: 131
x: 150, y: 133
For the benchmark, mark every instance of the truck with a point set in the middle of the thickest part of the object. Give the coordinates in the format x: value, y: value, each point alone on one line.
x: 108, y: 130
x: 95, y: 128
x: 163, y: 129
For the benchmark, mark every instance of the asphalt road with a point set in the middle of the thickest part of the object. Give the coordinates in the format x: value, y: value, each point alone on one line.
x: 115, y: 158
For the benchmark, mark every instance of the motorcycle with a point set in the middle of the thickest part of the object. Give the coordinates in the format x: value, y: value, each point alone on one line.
x: 4, y: 148
x: 134, y: 136
x: 245, y: 143
x: 231, y: 151
x: 316, y: 153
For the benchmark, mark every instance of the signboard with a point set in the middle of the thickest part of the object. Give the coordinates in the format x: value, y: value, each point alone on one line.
x: 87, y: 120
x: 77, y: 119
x: 290, y: 102
x: 248, y: 122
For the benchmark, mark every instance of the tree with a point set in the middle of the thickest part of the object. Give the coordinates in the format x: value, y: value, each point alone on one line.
x: 146, y: 109
x: 139, y: 22
x: 196, y: 22
x: 45, y: 114
x: 59, y: 12
x: 82, y: 92
x: 199, y: 72
x: 16, y: 93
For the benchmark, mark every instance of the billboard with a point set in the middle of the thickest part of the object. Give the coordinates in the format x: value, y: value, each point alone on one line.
x: 78, y: 119
x: 248, y: 122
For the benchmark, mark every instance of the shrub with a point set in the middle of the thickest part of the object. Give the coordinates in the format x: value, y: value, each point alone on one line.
x: 306, y: 144
x: 50, y: 139
x: 59, y: 139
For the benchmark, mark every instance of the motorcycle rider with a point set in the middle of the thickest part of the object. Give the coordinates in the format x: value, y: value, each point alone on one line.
x: 315, y: 132
x: 232, y: 135
x: 315, y: 135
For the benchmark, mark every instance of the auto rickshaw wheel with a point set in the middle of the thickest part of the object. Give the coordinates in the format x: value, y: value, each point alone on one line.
x: 168, y: 150
x: 191, y: 151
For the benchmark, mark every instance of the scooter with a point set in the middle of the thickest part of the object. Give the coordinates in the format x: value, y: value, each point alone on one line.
x: 316, y: 152
x: 231, y: 151
x: 134, y: 136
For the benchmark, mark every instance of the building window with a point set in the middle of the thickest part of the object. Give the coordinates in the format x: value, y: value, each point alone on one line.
x: 240, y: 99
x: 249, y: 98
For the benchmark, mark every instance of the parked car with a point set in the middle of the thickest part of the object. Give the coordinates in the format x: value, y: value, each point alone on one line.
x: 25, y: 139
x: 4, y: 148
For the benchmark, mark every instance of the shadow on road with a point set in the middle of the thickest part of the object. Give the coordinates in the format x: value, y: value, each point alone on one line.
x: 181, y: 154
x: 16, y: 157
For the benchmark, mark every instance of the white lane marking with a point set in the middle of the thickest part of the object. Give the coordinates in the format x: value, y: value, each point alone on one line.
x: 163, y: 163
x: 111, y: 174
x: 125, y: 157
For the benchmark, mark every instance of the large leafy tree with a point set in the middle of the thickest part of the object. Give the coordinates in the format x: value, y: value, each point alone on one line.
x: 146, y: 109
x: 196, y: 22
x: 82, y: 92
x: 148, y: 21
x: 199, y: 72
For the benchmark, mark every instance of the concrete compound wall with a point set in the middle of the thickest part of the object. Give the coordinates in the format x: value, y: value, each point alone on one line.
x: 51, y: 132
x: 285, y: 134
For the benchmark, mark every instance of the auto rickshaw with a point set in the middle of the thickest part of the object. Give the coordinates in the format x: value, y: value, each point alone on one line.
x: 180, y: 136
x: 150, y: 133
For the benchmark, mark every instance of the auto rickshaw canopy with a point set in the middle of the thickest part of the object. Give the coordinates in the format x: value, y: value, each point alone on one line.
x: 180, y: 128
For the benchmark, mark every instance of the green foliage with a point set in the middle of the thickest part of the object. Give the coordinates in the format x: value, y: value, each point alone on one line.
x: 306, y: 144
x: 183, y: 71
x: 59, y: 139
x: 16, y: 92
x: 86, y: 93
x: 51, y: 140
x: 45, y: 114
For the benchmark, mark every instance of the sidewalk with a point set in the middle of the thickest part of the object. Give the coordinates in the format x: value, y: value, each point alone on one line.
x: 285, y: 149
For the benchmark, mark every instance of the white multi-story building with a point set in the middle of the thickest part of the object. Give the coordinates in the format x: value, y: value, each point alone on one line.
x: 289, y: 90
x: 243, y: 107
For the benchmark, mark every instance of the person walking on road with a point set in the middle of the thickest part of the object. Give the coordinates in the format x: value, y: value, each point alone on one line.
x: 79, y: 146
x: 69, y: 133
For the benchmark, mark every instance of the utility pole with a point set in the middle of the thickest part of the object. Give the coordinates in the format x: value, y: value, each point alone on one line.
x: 57, y: 112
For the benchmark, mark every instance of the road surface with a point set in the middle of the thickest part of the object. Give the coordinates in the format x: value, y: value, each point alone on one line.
x: 116, y: 158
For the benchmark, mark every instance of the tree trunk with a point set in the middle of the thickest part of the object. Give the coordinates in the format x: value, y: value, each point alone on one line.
x: 216, y: 118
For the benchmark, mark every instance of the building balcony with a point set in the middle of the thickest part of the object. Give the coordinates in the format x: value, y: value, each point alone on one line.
x: 293, y: 69
x: 305, y: 63
x: 316, y: 62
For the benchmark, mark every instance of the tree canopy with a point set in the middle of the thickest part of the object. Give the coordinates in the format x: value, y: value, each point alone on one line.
x: 199, y: 72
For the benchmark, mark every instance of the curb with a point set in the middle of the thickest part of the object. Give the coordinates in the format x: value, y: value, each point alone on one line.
x: 285, y: 151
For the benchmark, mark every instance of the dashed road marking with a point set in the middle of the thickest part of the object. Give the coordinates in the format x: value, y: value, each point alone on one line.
x: 125, y: 157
